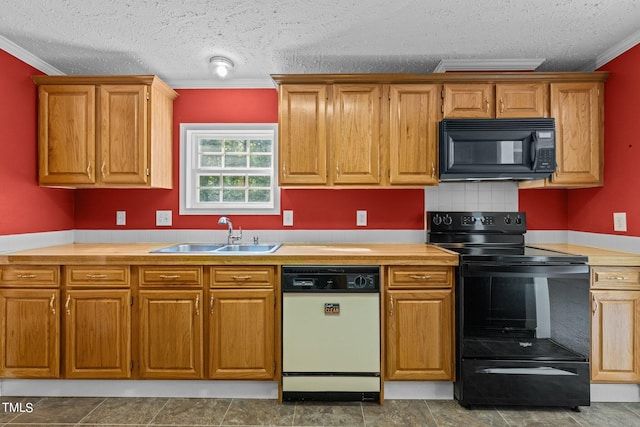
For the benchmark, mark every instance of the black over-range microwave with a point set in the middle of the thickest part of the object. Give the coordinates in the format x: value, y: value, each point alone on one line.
x: 485, y: 149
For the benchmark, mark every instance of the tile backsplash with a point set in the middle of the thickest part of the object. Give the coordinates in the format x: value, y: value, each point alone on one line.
x: 472, y: 196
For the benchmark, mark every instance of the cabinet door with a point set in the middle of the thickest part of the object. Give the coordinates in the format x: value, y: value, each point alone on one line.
x: 98, y: 333
x: 241, y: 340
x: 468, y: 101
x: 521, y: 100
x: 171, y: 334
x: 355, y: 139
x: 615, y: 336
x: 578, y: 110
x: 122, y: 137
x: 413, y: 134
x: 30, y: 335
x: 302, y: 134
x: 66, y: 134
x: 419, y: 335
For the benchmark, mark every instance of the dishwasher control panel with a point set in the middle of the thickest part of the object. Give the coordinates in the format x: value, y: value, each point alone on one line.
x: 331, y: 278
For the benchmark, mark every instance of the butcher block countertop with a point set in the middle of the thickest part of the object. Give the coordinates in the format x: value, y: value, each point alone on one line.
x: 290, y: 254
x: 597, y: 256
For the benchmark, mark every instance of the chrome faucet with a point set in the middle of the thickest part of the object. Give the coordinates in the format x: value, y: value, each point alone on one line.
x: 231, y: 239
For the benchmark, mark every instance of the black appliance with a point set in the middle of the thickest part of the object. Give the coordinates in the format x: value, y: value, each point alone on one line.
x: 522, y: 313
x: 508, y: 149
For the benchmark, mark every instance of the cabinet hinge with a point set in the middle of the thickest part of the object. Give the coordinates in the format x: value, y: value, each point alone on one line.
x: 147, y: 171
x: 147, y: 95
x: 131, y: 301
x: 442, y: 93
x: 131, y: 366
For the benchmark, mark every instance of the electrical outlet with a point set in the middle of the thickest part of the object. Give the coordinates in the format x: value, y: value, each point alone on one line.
x: 163, y: 218
x: 619, y: 221
x: 121, y: 218
x: 361, y: 218
x: 287, y: 218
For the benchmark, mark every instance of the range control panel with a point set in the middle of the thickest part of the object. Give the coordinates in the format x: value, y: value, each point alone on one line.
x: 512, y: 222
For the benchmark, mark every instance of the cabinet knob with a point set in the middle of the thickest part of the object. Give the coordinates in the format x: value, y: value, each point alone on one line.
x: 197, y: 305
x: 52, y: 303
x: 66, y: 305
x: 89, y: 170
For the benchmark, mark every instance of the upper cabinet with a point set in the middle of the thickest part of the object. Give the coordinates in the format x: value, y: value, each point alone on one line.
x: 358, y: 134
x: 578, y: 108
x: 372, y: 130
x: 500, y: 100
x: 107, y: 132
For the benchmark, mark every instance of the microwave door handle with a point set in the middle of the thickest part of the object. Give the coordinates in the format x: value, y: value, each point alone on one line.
x: 534, y: 149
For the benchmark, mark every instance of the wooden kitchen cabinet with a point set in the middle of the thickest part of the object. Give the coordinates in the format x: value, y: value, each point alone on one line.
x: 97, y: 333
x: 303, y: 134
x: 171, y: 322
x: 419, y: 324
x: 578, y: 108
x: 413, y: 134
x: 489, y: 100
x: 242, y: 323
x: 108, y: 132
x: 615, y: 324
x: 358, y: 134
x: 30, y: 335
x: 97, y: 321
x: 355, y: 134
x: 29, y: 321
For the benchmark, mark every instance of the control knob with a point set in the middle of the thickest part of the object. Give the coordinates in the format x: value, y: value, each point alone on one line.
x: 518, y: 220
x: 437, y: 220
x: 360, y: 281
x: 507, y: 220
x: 447, y: 220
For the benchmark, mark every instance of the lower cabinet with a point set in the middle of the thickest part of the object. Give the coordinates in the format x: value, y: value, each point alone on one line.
x: 171, y: 334
x: 615, y: 324
x: 241, y: 334
x: 419, y: 335
x: 242, y: 323
x: 419, y: 324
x: 97, y: 333
x: 30, y: 335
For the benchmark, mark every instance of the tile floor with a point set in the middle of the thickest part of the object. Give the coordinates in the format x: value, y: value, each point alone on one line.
x: 52, y: 411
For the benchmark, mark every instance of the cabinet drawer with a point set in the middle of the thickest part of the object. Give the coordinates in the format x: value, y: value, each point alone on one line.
x: 86, y: 275
x: 232, y: 277
x: 615, y: 277
x: 167, y: 276
x: 420, y: 277
x: 30, y: 275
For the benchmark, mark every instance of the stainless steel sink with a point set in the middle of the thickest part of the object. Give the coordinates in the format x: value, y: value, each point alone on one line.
x: 249, y: 248
x: 188, y: 248
x: 213, y: 249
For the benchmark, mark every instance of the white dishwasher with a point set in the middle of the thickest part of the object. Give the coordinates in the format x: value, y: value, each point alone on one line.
x: 331, y: 333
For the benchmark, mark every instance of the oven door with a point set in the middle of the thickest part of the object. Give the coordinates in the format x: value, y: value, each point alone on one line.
x: 523, y: 334
x: 524, y: 311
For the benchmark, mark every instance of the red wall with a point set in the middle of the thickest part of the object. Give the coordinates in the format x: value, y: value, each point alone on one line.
x: 592, y: 209
x: 24, y: 206
x: 313, y: 209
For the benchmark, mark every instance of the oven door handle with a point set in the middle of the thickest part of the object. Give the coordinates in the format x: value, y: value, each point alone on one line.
x: 525, y: 270
x: 541, y: 370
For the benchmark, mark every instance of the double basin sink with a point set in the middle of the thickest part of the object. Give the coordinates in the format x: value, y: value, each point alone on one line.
x: 218, y: 249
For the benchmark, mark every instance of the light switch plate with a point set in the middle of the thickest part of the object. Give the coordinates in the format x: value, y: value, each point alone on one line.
x: 287, y: 218
x: 121, y: 218
x: 361, y: 218
x: 163, y: 218
x: 619, y: 221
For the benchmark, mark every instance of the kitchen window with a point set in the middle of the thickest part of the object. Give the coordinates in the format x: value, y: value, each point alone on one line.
x: 228, y: 169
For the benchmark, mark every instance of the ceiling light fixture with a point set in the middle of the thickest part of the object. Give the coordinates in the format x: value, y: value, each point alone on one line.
x: 221, y: 66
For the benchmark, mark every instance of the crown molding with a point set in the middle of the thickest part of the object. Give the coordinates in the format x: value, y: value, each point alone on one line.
x: 231, y: 83
x: 28, y: 57
x: 522, y: 64
x: 617, y: 50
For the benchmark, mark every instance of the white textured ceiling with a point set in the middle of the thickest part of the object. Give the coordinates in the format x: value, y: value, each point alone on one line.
x: 175, y: 38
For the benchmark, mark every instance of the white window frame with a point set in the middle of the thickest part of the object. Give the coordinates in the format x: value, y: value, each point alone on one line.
x: 190, y: 133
